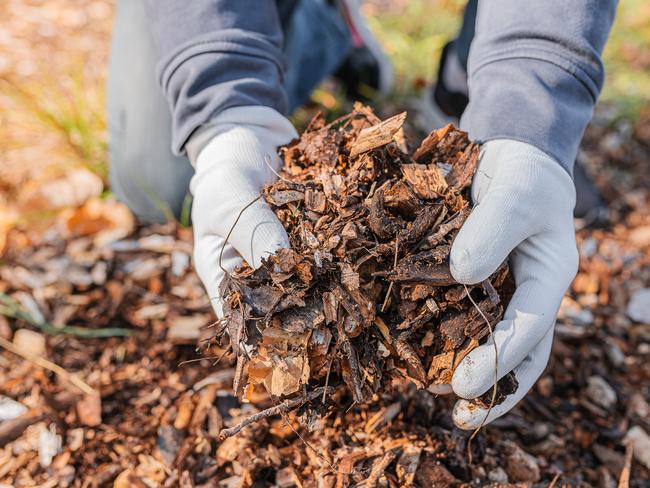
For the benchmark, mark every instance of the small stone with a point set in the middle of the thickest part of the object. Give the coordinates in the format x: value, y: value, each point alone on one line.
x: 30, y: 342
x: 498, y: 475
x: 588, y: 247
x: 639, y: 406
x: 99, y: 273
x: 614, y: 353
x: 180, y: 263
x: 600, y: 392
x: 521, y: 466
x: 638, y: 308
x: 640, y: 442
x: 606, y: 478
x: 619, y: 323
x: 74, y: 439
x: 10, y: 409
x: 611, y: 459
x: 572, y: 311
x: 49, y: 445
x: 285, y: 478
x: 157, y: 243
x: 541, y: 430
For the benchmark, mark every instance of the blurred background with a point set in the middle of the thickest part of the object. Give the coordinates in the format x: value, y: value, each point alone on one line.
x: 85, y: 289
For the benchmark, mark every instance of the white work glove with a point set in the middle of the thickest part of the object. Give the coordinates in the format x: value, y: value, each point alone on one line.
x: 524, y: 209
x: 234, y: 157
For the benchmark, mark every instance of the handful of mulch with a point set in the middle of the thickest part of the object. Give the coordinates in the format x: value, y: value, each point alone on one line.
x: 364, y: 295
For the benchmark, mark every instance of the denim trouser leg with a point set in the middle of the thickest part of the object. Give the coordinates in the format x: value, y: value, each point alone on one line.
x: 144, y: 173
x: 316, y: 42
x: 464, y: 39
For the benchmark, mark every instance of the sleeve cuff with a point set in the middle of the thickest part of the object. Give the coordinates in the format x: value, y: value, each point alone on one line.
x: 529, y: 100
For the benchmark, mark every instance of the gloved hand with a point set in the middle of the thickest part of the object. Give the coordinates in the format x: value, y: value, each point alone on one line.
x: 234, y: 157
x: 524, y: 208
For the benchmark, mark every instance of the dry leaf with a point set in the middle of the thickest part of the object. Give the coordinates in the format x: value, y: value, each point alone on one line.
x: 105, y: 220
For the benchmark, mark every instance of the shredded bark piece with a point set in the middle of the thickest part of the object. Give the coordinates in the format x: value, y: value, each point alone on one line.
x: 377, y: 135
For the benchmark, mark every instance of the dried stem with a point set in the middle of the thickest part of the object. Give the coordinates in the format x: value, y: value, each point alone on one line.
x: 225, y: 242
x: 496, y: 376
x: 316, y: 451
x: 624, y: 479
x: 278, y: 409
x: 267, y: 160
x: 390, y: 285
x: 327, y: 377
x: 55, y: 368
x: 13, y: 309
x: 554, y: 480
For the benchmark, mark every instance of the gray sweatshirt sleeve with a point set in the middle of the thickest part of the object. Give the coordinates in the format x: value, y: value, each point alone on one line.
x: 214, y: 55
x: 535, y: 72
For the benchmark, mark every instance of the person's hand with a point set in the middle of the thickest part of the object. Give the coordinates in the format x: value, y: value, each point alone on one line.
x: 524, y: 209
x: 234, y: 157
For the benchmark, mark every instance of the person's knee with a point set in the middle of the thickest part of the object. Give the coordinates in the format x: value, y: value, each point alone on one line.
x: 154, y: 187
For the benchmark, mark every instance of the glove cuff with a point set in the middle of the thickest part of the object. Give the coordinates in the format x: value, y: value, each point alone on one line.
x: 503, y: 155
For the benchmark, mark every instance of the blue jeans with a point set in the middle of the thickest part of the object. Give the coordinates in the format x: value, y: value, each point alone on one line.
x: 144, y: 173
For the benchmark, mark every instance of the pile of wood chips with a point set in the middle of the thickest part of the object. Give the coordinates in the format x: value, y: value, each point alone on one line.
x: 365, y: 294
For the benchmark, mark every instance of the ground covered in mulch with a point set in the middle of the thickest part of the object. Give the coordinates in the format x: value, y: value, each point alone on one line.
x: 131, y: 411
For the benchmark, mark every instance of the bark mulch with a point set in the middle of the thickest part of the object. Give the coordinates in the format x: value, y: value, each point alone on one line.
x: 122, y: 318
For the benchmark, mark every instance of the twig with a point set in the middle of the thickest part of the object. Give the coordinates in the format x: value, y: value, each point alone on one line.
x: 267, y: 160
x: 624, y: 479
x: 239, y: 374
x: 343, y: 118
x: 327, y: 377
x: 496, y: 376
x: 225, y: 242
x: 390, y: 286
x: 278, y: 409
x: 55, y: 368
x: 554, y: 480
x: 12, y: 429
x: 195, y: 360
x: 379, y: 467
x: 304, y: 441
